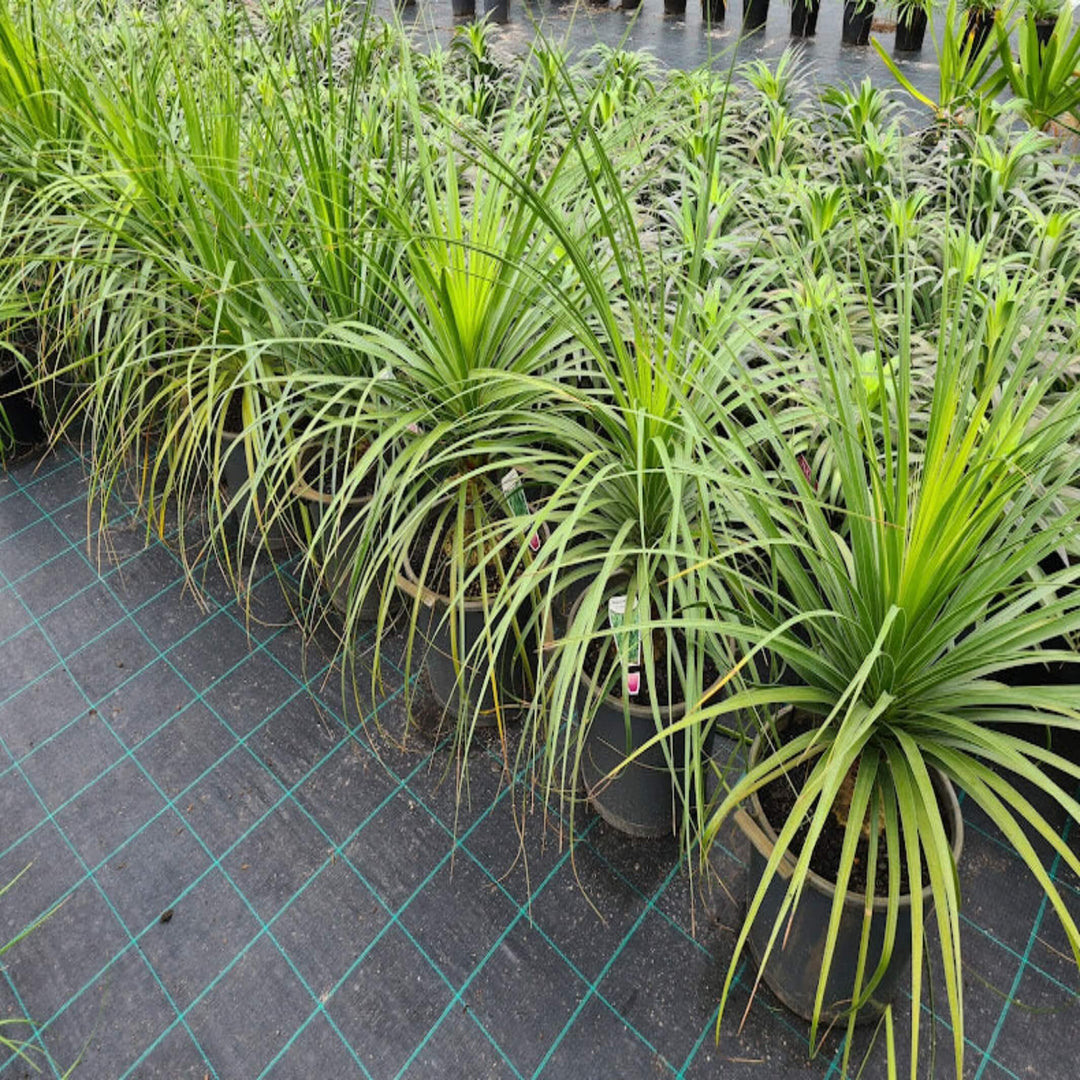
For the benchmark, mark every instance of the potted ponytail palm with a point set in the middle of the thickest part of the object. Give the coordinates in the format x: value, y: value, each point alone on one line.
x: 632, y: 525
x: 804, y: 15
x: 464, y: 379
x: 979, y: 23
x: 858, y: 18
x: 896, y: 628
x: 911, y: 19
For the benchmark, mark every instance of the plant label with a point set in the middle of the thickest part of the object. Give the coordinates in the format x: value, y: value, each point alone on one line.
x: 630, y: 647
x: 514, y: 494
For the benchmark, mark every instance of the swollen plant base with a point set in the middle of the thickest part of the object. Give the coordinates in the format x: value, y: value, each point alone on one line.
x: 794, y: 964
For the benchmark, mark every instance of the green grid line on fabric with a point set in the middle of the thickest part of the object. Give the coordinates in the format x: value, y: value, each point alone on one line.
x: 38, y: 1035
x: 1043, y: 903
x: 436, y: 819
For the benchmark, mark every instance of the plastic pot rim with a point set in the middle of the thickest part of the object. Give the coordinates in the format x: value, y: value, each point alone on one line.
x: 409, y: 582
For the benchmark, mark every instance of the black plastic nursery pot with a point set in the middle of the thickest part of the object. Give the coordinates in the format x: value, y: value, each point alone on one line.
x: 857, y: 22
x: 463, y: 9
x: 804, y: 15
x: 497, y: 11
x: 337, y: 562
x: 674, y: 7
x: 910, y: 30
x: 713, y: 11
x: 979, y: 26
x: 1044, y: 29
x: 277, y: 537
x: 755, y: 16
x: 794, y: 964
x: 448, y: 651
x: 58, y: 400
x: 20, y: 425
x: 641, y: 798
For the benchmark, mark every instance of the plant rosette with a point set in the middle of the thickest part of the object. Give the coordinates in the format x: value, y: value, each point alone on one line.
x: 792, y: 968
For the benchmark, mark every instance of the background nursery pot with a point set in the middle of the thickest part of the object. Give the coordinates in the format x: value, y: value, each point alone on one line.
x: 792, y: 970
x: 713, y: 11
x: 278, y: 539
x: 858, y: 19
x: 19, y: 424
x: 337, y: 562
x: 804, y: 15
x: 58, y: 399
x: 978, y: 27
x: 1044, y: 30
x: 755, y: 16
x: 910, y: 29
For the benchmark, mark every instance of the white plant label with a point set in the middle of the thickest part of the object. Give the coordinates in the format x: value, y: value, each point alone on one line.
x: 631, y: 646
x: 514, y: 494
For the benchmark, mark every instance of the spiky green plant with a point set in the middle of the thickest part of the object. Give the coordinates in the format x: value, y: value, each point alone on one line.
x: 899, y: 624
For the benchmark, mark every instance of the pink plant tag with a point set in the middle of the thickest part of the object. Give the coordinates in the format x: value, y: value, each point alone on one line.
x: 633, y: 683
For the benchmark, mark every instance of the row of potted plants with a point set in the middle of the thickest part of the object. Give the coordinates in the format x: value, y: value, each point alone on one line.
x: 912, y: 17
x: 644, y: 409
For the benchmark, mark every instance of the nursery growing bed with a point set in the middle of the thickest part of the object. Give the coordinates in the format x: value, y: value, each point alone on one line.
x: 249, y: 890
x: 685, y: 41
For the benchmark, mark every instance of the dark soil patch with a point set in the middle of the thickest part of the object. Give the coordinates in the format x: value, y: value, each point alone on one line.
x: 778, y: 802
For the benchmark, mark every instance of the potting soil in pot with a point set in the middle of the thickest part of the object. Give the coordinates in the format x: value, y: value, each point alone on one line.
x: 778, y: 802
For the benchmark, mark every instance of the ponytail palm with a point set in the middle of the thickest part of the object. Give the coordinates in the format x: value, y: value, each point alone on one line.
x: 898, y: 625
x: 658, y: 350
x: 468, y: 383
